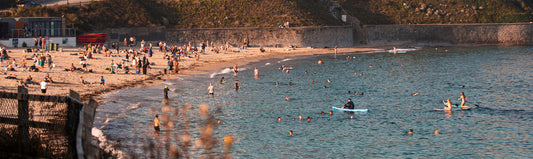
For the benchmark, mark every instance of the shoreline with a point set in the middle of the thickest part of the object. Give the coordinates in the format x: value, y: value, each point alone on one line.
x: 208, y: 62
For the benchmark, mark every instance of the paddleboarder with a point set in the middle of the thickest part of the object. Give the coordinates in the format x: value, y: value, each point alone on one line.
x: 463, y: 100
x: 349, y: 105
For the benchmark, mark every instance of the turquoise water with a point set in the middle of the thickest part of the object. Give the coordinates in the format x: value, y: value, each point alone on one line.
x: 497, y: 79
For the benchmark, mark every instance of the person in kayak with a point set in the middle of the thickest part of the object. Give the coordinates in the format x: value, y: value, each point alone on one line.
x: 448, y: 104
x: 463, y: 100
x: 349, y: 105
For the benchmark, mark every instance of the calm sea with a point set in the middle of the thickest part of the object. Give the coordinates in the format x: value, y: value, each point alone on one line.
x: 497, y: 79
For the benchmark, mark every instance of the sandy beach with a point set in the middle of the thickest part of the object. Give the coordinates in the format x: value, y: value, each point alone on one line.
x: 63, y: 81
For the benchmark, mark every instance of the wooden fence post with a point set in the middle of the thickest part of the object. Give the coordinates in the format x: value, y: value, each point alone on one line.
x: 23, y: 129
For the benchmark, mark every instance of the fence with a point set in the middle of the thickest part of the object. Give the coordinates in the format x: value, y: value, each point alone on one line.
x: 57, y: 32
x: 44, y: 126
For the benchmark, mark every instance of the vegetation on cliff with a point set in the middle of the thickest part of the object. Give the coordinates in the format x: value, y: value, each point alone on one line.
x: 440, y: 12
x: 186, y: 13
x: 271, y: 13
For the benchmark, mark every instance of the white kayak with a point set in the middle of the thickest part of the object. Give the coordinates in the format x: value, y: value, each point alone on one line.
x: 350, y: 110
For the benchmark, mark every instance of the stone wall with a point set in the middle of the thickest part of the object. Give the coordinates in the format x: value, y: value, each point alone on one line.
x: 316, y: 37
x: 460, y: 34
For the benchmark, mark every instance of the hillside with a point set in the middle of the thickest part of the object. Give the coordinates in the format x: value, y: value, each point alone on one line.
x: 263, y: 13
x: 187, y: 13
x: 440, y: 12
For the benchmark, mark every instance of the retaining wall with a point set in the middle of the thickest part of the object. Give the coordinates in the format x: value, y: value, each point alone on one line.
x: 317, y: 37
x: 506, y: 34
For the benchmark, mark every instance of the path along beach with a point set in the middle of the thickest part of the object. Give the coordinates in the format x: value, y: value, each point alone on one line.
x: 63, y: 80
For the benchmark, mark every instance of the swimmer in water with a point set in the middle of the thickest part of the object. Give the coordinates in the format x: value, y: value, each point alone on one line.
x: 463, y: 100
x: 305, y: 72
x: 329, y: 81
x: 308, y: 119
x: 331, y: 112
x: 409, y: 133
x: 320, y: 62
x: 277, y: 83
x: 222, y: 80
x: 279, y: 118
x: 448, y: 104
x: 287, y: 98
x: 290, y: 133
x: 415, y: 94
x: 299, y: 117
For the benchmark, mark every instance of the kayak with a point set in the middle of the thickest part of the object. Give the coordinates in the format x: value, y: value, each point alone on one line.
x: 349, y: 110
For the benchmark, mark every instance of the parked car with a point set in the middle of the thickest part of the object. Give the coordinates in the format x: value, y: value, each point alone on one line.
x: 28, y: 4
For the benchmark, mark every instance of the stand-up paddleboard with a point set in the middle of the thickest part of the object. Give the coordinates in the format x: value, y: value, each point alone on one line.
x: 458, y: 108
x: 398, y: 51
x: 350, y: 110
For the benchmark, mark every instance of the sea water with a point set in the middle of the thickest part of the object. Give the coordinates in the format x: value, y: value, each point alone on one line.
x: 401, y: 92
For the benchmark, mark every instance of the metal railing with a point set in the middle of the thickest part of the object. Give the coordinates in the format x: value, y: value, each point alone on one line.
x: 59, y: 32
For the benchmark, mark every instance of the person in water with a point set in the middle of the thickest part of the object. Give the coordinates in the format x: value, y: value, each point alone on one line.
x: 235, y: 70
x: 211, y: 89
x: 256, y: 72
x: 463, y: 100
x: 222, y: 80
x: 165, y: 92
x: 157, y: 123
x: 448, y: 104
x: 349, y: 105
x: 237, y: 85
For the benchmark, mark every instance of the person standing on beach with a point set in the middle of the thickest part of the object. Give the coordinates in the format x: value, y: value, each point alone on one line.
x: 145, y: 63
x: 102, y: 82
x: 43, y: 87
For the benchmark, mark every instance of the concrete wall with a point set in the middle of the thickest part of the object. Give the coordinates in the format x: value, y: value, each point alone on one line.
x: 506, y: 34
x: 317, y: 37
x: 69, y: 41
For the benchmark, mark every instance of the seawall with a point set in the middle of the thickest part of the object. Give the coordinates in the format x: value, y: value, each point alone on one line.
x: 453, y: 34
x: 343, y: 36
x: 316, y: 37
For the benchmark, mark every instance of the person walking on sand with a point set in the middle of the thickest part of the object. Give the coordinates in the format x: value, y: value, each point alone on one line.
x: 43, y: 87
x: 102, y: 82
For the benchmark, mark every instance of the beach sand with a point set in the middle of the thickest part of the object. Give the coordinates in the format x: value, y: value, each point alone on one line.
x: 67, y: 80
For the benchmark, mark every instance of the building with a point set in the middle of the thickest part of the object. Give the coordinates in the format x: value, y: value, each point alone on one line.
x: 21, y: 29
